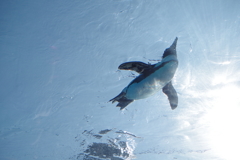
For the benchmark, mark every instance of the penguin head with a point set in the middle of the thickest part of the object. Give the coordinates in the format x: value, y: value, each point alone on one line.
x: 171, y: 50
x: 168, y: 52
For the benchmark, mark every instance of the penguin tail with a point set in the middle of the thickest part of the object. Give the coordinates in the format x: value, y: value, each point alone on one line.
x: 123, y: 101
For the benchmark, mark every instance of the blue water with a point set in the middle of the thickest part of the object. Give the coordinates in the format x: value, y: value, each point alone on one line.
x: 58, y: 70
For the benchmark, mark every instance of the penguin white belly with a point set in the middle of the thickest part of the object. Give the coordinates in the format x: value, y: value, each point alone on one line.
x: 152, y: 83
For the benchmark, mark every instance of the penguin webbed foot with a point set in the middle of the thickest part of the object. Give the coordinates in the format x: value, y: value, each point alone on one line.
x: 124, y: 102
x: 117, y: 98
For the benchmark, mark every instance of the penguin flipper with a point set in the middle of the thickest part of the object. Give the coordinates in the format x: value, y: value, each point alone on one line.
x: 139, y: 67
x: 171, y: 94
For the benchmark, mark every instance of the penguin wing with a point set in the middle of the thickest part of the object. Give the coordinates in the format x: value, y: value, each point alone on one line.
x: 139, y: 67
x: 171, y: 94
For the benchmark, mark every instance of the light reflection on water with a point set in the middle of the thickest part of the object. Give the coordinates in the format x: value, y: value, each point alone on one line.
x: 223, y: 120
x: 210, y: 107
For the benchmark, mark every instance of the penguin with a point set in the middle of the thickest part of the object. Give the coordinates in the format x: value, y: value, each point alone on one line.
x: 152, y: 79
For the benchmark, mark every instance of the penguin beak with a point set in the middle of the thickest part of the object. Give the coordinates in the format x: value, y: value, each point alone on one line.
x: 174, y: 45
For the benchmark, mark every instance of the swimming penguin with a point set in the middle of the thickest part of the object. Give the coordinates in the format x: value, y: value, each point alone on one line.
x: 152, y: 79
